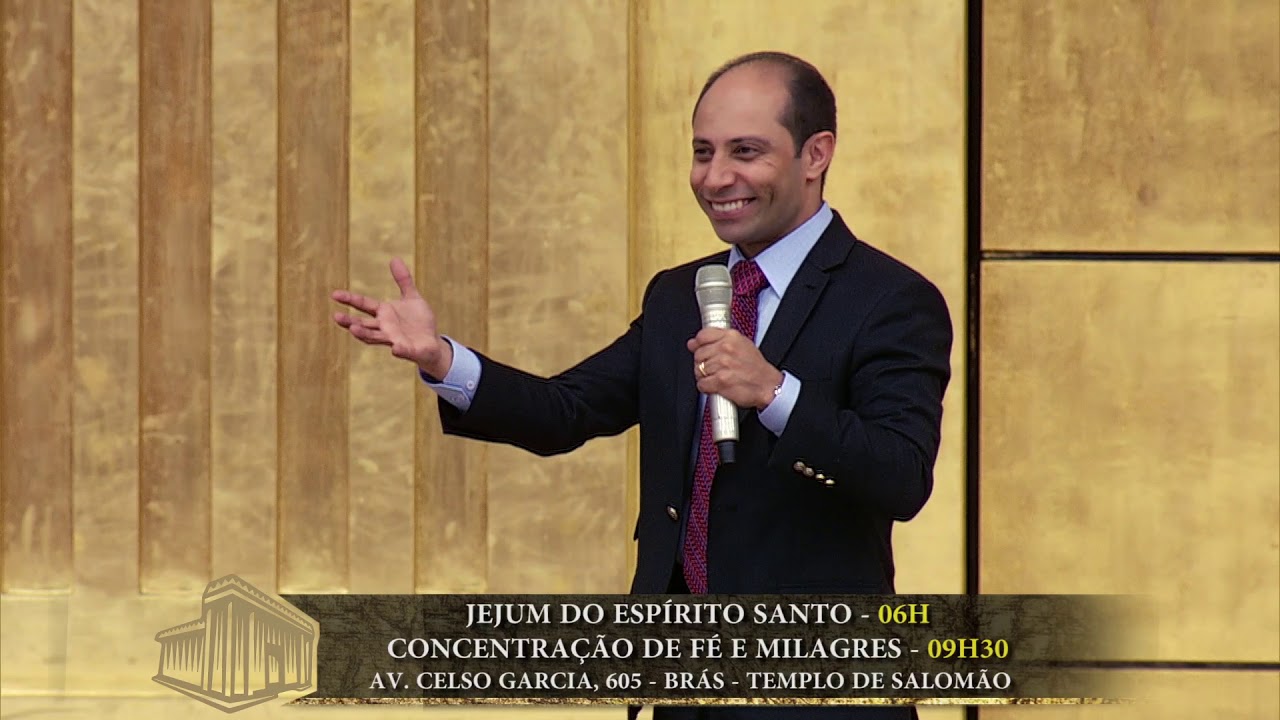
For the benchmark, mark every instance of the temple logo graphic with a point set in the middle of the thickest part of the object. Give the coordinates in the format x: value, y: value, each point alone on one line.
x: 246, y: 648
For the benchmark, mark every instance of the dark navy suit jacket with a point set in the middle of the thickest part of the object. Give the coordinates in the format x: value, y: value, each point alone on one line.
x: 809, y: 511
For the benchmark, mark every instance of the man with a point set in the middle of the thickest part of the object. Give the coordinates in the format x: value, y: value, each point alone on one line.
x: 838, y: 358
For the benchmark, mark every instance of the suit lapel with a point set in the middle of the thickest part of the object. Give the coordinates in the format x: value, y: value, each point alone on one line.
x: 806, y: 287
x: 802, y: 294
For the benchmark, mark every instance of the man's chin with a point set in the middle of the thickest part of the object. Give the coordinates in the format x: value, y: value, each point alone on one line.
x: 729, y: 232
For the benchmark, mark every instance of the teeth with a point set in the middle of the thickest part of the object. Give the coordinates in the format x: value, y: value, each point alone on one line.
x: 729, y: 206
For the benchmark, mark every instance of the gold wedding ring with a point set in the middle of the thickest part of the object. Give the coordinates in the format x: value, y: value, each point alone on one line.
x: 702, y: 368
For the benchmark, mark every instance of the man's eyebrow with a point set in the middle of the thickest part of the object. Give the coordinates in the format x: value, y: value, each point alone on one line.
x: 735, y: 141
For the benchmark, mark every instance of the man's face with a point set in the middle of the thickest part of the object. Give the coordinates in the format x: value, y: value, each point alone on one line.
x: 745, y: 174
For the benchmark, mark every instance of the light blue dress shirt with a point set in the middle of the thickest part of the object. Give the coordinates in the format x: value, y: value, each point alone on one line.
x: 779, y: 263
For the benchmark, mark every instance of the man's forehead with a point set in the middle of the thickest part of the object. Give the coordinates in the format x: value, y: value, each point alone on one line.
x: 748, y: 94
x: 756, y: 82
x: 738, y: 118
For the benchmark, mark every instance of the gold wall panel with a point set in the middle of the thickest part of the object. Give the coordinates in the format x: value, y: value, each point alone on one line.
x: 36, y: 327
x: 1129, y: 422
x: 105, y: 215
x: 1170, y: 695
x: 233, y: 159
x: 1140, y: 125
x: 557, y: 277
x: 36, y: 323
x: 243, y: 370
x: 175, y: 156
x: 313, y: 358
x: 88, y: 642
x: 897, y: 177
x: 381, y: 474
x: 452, y: 131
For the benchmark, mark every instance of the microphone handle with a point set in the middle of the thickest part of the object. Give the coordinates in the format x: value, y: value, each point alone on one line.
x: 724, y: 427
x: 724, y: 414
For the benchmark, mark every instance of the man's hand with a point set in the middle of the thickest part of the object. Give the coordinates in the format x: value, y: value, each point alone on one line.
x: 726, y: 363
x: 408, y: 325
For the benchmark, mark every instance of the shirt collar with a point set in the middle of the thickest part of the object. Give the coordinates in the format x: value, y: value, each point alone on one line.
x: 780, y: 261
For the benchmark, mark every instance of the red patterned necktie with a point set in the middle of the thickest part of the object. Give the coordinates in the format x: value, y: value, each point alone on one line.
x: 748, y: 281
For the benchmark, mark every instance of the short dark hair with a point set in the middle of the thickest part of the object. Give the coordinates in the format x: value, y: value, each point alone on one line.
x: 811, y: 106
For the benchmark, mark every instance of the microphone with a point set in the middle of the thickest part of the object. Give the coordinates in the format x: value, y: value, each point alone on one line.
x: 714, y: 290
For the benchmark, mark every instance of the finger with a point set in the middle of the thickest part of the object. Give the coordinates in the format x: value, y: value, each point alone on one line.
x: 706, y: 336
x: 701, y: 370
x: 698, y: 341
x: 357, y: 301
x: 369, y: 336
x: 400, y: 272
x: 703, y: 354
x: 402, y: 350
x: 348, y: 321
x: 710, y: 386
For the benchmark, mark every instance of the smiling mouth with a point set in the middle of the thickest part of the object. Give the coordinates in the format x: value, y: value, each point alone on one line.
x: 728, y: 207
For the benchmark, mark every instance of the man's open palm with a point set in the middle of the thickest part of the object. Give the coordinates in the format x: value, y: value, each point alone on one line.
x: 407, y: 324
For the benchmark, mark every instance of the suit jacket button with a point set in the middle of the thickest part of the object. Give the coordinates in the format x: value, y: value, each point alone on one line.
x: 673, y: 513
x: 798, y: 467
x: 830, y: 482
x: 808, y: 472
x: 821, y: 476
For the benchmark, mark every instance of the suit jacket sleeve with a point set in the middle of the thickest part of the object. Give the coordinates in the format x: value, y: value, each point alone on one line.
x: 879, y: 439
x: 547, y: 416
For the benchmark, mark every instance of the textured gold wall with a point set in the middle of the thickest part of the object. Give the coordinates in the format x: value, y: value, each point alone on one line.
x: 178, y: 201
x: 1135, y: 125
x: 181, y: 198
x: 897, y: 177
x: 1130, y: 403
x: 558, y: 275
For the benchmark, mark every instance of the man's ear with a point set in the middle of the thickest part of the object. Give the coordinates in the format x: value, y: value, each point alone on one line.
x: 817, y: 153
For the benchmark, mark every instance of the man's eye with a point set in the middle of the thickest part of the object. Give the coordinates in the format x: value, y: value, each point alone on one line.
x: 701, y: 153
x: 748, y: 151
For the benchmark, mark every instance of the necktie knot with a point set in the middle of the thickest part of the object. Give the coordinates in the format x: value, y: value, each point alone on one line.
x: 748, y: 279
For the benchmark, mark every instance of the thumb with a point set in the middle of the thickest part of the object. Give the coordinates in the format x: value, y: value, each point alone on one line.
x: 400, y: 272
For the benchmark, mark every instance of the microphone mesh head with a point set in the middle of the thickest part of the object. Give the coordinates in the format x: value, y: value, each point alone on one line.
x: 713, y: 286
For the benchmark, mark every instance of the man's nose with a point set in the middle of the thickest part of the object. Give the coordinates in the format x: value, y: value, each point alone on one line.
x: 719, y: 174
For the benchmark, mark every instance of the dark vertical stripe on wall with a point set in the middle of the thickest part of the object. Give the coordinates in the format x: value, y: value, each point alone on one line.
x: 973, y: 263
x: 36, y: 344
x: 174, y: 214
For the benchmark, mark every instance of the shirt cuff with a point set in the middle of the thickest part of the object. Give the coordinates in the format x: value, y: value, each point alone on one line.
x: 777, y: 413
x: 458, y: 387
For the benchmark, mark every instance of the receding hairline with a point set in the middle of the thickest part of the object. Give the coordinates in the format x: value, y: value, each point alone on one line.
x: 764, y: 65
